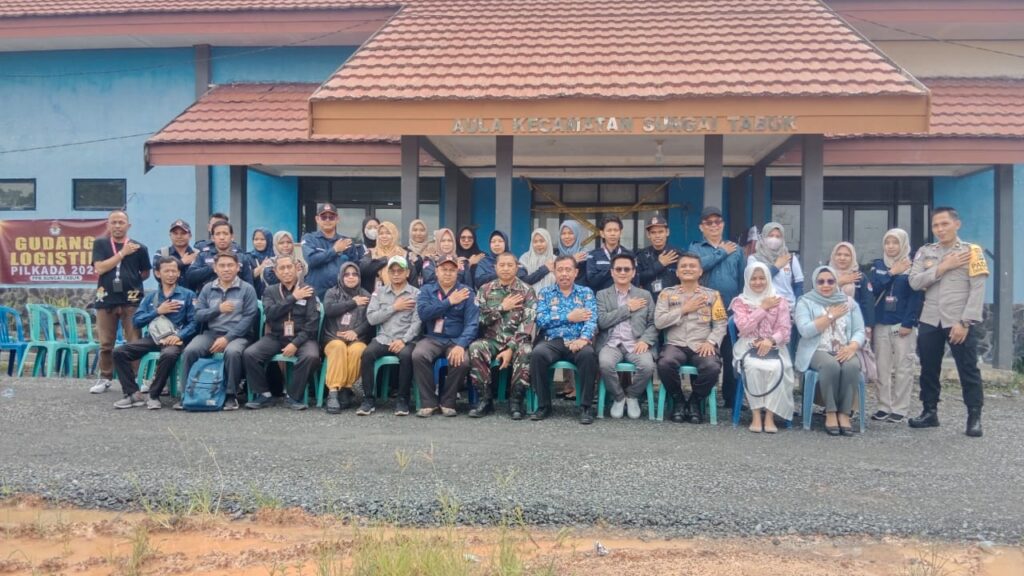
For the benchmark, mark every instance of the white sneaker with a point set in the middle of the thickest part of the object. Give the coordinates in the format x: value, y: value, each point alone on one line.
x: 145, y: 387
x: 152, y: 404
x: 101, y: 386
x: 133, y: 401
x: 632, y: 408
x: 617, y: 408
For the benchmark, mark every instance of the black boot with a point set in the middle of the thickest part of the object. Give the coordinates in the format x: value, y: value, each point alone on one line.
x: 696, y: 410
x: 680, y: 409
x: 482, y: 409
x: 346, y: 398
x: 974, y: 422
x: 333, y: 405
x: 516, y: 409
x: 929, y: 417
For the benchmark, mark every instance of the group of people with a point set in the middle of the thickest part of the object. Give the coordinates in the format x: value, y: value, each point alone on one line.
x: 660, y: 309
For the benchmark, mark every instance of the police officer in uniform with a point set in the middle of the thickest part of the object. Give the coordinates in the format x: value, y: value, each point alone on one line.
x: 952, y: 274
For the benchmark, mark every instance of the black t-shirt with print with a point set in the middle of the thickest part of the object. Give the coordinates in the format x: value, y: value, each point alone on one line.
x: 131, y: 270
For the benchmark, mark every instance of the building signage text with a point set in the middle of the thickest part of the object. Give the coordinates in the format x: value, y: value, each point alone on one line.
x: 742, y: 124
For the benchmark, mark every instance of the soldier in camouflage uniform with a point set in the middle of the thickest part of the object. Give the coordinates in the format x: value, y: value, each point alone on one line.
x: 508, y: 311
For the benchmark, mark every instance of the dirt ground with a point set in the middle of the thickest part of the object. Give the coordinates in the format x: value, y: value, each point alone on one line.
x: 37, y: 538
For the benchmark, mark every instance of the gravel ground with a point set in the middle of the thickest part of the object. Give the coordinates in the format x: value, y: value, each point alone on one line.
x: 58, y: 441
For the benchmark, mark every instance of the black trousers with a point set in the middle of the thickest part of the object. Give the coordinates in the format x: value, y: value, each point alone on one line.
x: 708, y: 367
x: 728, y: 377
x: 427, y: 351
x: 256, y: 357
x: 931, y: 346
x: 550, y: 351
x: 374, y: 351
x: 129, y: 352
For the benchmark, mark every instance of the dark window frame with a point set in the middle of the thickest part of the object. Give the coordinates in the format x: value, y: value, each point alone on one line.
x: 307, y: 222
x: 74, y: 194
x: 35, y: 194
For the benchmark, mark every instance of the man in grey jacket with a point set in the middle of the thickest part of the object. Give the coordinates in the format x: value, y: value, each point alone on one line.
x: 228, y: 308
x: 625, y: 318
x: 392, y: 310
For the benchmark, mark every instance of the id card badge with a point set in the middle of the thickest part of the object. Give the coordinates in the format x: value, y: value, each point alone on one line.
x: 289, y: 329
x: 890, y: 303
x: 346, y: 319
x: 439, y: 326
x: 656, y: 286
x: 117, y: 286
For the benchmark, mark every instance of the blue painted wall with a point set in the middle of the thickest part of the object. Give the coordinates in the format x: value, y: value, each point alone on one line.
x: 61, y: 97
x: 292, y: 64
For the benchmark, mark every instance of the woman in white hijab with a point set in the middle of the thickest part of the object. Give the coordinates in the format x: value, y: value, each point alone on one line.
x: 897, y: 307
x: 760, y: 354
x: 539, y: 260
x: 771, y: 250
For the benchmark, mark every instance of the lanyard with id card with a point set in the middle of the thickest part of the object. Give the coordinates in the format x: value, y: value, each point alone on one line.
x: 116, y: 286
x: 439, y: 323
x: 289, y: 324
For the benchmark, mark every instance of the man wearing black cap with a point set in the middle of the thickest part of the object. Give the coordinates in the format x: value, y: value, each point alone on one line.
x: 180, y: 249
x: 723, y: 263
x: 656, y: 264
x: 325, y: 250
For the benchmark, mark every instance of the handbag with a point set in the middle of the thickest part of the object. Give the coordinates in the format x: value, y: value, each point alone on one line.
x: 773, y: 354
x: 868, y: 363
x: 161, y: 327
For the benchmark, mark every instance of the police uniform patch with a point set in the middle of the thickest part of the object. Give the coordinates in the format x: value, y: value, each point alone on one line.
x: 977, y: 266
x: 718, y: 312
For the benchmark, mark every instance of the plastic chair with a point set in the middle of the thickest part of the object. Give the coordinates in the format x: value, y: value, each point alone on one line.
x: 78, y: 333
x: 43, y: 338
x: 531, y: 396
x: 665, y: 401
x: 14, y: 343
x: 440, y: 370
x: 147, y: 370
x: 630, y: 368
x: 740, y: 385
x: 811, y: 382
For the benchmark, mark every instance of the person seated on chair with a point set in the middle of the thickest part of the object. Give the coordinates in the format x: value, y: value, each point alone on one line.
x: 508, y: 313
x: 174, y: 303
x: 567, y: 315
x: 293, y: 319
x: 625, y: 317
x: 345, y: 334
x: 450, y: 317
x: 760, y: 353
x: 228, y: 308
x: 695, y: 321
x: 831, y: 331
x: 392, y: 310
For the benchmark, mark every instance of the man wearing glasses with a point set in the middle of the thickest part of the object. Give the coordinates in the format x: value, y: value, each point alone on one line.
x: 723, y: 263
x: 325, y: 250
x: 625, y: 319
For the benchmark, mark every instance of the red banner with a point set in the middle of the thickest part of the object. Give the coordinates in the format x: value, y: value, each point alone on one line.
x: 48, y: 251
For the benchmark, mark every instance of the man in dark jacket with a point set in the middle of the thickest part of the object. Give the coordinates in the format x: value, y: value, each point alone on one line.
x: 450, y: 318
x: 599, y: 262
x: 325, y: 250
x: 656, y: 264
x: 180, y: 249
x: 293, y: 319
x: 201, y: 272
x: 346, y: 332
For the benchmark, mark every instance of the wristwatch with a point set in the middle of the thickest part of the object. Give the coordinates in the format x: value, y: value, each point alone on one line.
x: 829, y: 315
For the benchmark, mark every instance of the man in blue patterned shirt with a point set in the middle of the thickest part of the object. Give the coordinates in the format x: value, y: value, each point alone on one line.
x: 567, y: 314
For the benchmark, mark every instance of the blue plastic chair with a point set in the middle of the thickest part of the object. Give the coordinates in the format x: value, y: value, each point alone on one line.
x: 51, y: 352
x: 665, y: 401
x: 531, y: 395
x: 811, y: 383
x: 740, y: 385
x: 12, y: 339
x: 629, y: 367
x: 78, y: 333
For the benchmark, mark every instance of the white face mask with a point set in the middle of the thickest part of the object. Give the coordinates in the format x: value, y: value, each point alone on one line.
x: 370, y: 233
x: 773, y: 243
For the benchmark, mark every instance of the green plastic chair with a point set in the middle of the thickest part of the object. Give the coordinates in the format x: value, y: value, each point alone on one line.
x: 78, y: 333
x: 531, y: 395
x: 43, y: 338
x: 630, y: 368
x: 664, y: 399
x: 147, y: 371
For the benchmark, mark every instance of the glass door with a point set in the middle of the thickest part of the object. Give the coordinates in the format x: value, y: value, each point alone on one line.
x: 867, y: 227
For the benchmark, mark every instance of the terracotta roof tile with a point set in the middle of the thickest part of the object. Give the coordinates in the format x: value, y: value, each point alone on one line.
x: 31, y: 8
x: 977, y: 107
x: 651, y: 49
x: 264, y: 113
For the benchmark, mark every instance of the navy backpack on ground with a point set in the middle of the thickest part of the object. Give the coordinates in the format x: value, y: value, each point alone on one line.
x: 205, y: 388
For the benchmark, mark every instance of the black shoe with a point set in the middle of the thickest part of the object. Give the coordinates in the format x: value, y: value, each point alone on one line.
x: 973, y: 422
x: 586, y: 415
x: 929, y: 418
x: 680, y: 413
x: 541, y: 413
x: 833, y: 430
x: 482, y: 409
x: 696, y: 411
x: 516, y: 410
x: 260, y: 401
x: 346, y: 399
x: 896, y: 418
x: 366, y: 408
x: 401, y: 407
x: 880, y: 415
x: 333, y: 405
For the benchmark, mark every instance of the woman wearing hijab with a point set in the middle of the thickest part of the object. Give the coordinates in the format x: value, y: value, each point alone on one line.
x: 374, y: 265
x: 421, y: 246
x: 261, y: 254
x: 485, y: 270
x: 786, y: 273
x: 444, y: 245
x: 570, y: 238
x: 284, y: 245
x: 897, y: 307
x: 760, y: 354
x: 852, y: 282
x: 468, y: 251
x: 370, y: 227
x: 346, y: 333
x: 539, y: 260
x: 831, y: 331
